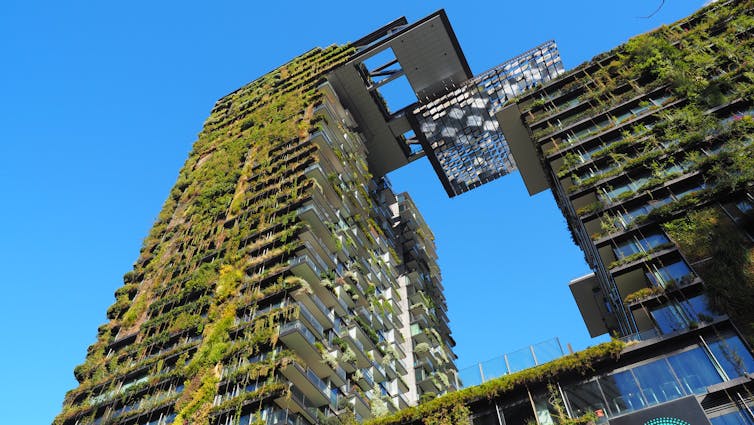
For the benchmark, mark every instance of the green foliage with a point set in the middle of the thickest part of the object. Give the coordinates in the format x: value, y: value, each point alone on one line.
x: 233, y: 173
x: 454, y: 406
x: 643, y: 294
x: 723, y: 258
x: 650, y: 57
x: 590, y: 208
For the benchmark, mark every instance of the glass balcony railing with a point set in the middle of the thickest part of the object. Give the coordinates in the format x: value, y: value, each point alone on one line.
x: 282, y: 417
x: 355, y: 339
x: 515, y: 361
x: 314, y: 379
x: 340, y: 372
x: 297, y: 396
x: 378, y: 367
x: 368, y: 377
x: 641, y: 336
x: 322, y: 307
x: 300, y: 327
x: 306, y: 314
x: 304, y: 259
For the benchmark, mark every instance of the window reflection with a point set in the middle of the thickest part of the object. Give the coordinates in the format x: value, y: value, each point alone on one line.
x: 657, y: 382
x: 636, y: 245
x: 585, y: 398
x: 663, y: 379
x: 622, y: 392
x: 733, y: 418
x: 679, y: 315
x: 732, y: 356
x: 673, y: 274
x: 695, y: 370
x: 670, y: 318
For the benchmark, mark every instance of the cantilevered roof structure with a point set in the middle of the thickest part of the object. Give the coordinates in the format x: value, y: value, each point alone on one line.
x: 453, y: 120
x: 459, y: 132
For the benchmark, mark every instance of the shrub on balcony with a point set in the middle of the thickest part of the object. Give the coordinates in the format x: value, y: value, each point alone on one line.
x: 643, y: 294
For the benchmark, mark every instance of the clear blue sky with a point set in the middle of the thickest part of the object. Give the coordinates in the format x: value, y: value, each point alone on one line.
x: 100, y: 103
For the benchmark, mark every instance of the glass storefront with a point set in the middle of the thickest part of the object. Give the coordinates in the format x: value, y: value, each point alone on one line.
x: 691, y: 371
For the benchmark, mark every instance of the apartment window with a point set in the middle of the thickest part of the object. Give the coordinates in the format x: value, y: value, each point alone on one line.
x: 662, y: 379
x: 585, y: 398
x: 622, y: 392
x: 670, y: 318
x: 744, y: 206
x: 732, y: 356
x: 611, y: 194
x: 695, y: 370
x: 635, y: 245
x: 678, y: 315
x: 671, y: 274
x: 732, y: 418
x: 628, y: 217
x: 690, y: 191
x: 657, y: 382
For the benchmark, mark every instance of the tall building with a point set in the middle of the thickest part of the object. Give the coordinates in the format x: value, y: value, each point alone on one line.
x: 647, y: 150
x: 284, y: 282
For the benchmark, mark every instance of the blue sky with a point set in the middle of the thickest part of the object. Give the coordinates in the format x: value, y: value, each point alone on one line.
x: 100, y: 103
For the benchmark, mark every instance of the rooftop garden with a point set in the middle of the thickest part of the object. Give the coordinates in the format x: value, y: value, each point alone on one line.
x: 454, y: 408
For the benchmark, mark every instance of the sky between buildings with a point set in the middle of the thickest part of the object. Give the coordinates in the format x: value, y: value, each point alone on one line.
x: 100, y: 103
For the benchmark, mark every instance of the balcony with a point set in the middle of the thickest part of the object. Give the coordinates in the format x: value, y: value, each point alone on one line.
x: 361, y: 358
x: 282, y: 417
x: 356, y: 332
x: 429, y: 384
x: 311, y: 386
x: 327, y: 156
x: 360, y: 405
x: 300, y: 404
x: 306, y: 268
x: 316, y: 308
x: 400, y: 366
x: 379, y: 372
x: 299, y: 338
x: 587, y: 121
x: 670, y: 276
x: 309, y: 320
x: 364, y: 379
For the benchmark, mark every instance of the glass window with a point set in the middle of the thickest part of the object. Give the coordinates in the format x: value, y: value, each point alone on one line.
x: 622, y: 392
x: 585, y: 398
x: 542, y: 410
x: 744, y: 206
x: 732, y: 356
x: 638, y: 110
x: 611, y: 194
x: 689, y: 191
x: 654, y: 240
x: 695, y: 370
x: 632, y: 246
x: 657, y: 382
x: 670, y: 318
x: 676, y: 273
x: 698, y: 308
x: 638, y: 182
x: 623, y: 117
x: 519, y: 413
x: 733, y: 418
x: 627, y: 248
x: 659, y: 101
